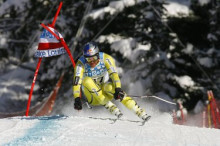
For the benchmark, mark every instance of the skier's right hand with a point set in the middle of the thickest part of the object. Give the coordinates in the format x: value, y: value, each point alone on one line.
x: 78, y: 103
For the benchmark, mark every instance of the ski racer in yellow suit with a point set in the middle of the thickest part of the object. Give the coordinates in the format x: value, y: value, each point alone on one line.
x: 92, y: 73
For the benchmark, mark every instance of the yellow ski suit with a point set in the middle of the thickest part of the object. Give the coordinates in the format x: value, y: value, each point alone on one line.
x: 96, y: 85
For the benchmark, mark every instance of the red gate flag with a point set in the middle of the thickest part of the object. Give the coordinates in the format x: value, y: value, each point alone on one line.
x: 49, y: 45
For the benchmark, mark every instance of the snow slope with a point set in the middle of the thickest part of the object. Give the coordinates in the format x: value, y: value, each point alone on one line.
x: 78, y: 130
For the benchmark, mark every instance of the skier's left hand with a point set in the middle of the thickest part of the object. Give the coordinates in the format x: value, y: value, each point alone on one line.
x: 119, y: 94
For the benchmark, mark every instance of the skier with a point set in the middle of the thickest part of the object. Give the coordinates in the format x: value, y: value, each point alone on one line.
x: 92, y: 73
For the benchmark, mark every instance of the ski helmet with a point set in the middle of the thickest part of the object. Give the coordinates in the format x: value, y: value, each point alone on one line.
x: 90, y: 49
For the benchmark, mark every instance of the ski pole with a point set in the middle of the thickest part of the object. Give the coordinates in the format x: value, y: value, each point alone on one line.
x: 156, y: 97
x: 89, y: 107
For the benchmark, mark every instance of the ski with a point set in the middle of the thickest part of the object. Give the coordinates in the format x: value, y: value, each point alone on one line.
x: 114, y: 120
x: 144, y: 121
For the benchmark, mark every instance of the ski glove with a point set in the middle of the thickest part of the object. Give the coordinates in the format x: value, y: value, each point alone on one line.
x: 78, y: 103
x: 119, y: 94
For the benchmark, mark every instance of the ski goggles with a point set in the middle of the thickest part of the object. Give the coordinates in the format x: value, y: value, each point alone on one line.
x: 92, y: 58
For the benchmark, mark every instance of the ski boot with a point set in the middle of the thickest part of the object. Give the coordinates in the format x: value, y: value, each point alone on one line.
x: 141, y: 113
x: 113, y: 109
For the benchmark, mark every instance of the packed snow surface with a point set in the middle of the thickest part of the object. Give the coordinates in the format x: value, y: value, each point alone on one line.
x: 92, y: 130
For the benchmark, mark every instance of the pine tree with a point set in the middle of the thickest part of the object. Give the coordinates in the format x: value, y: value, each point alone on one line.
x: 162, y: 50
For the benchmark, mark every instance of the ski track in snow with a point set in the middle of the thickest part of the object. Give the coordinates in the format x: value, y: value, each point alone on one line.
x: 76, y: 130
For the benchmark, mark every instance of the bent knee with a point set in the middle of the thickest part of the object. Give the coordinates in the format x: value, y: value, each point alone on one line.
x: 108, y: 87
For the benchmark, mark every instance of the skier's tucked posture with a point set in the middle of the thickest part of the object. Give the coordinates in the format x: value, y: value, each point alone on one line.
x: 92, y: 73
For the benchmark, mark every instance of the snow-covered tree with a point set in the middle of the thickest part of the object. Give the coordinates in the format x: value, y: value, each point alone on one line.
x: 175, y: 57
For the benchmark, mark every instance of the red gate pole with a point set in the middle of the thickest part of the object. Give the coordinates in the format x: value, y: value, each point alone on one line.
x: 38, y: 65
x: 32, y: 86
x: 57, y: 13
x: 212, y: 109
